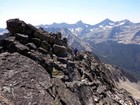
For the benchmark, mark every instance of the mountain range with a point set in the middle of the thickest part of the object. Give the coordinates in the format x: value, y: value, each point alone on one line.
x: 123, y: 31
x: 117, y: 43
x: 2, y: 31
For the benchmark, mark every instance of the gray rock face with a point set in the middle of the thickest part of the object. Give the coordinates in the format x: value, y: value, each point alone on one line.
x: 22, y: 81
x: 35, y: 74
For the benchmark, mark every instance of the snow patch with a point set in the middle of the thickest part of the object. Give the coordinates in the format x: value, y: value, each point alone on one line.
x: 91, y: 29
x: 121, y: 23
x: 101, y: 26
x: 46, y: 26
x: 108, y: 26
x: 111, y: 24
x: 78, y: 29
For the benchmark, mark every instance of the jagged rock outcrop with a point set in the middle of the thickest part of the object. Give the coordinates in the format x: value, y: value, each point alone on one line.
x: 38, y: 68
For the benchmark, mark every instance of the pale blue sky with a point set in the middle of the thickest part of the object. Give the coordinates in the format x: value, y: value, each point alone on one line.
x: 48, y: 11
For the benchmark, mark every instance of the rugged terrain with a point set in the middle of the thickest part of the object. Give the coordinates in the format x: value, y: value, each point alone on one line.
x: 73, y: 40
x: 117, y: 43
x: 39, y: 68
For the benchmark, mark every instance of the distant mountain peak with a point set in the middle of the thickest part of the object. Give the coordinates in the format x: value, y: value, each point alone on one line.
x: 107, y: 21
x: 54, y: 23
x: 79, y: 22
x: 125, y: 22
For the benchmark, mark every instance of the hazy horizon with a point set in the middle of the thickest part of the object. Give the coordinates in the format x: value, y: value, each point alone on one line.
x: 91, y: 12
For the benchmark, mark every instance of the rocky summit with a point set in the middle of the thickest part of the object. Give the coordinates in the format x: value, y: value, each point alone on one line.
x: 39, y: 68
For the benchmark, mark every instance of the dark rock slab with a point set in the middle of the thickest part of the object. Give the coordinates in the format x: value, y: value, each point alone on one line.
x: 22, y: 38
x: 42, y: 50
x: 60, y: 50
x: 23, y: 82
x: 18, y: 26
x: 62, y: 60
x: 46, y: 46
x: 67, y: 96
x: 36, y: 41
x: 19, y: 48
x: 31, y: 46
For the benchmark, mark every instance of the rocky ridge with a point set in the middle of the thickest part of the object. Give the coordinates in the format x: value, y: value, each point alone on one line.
x: 115, y: 42
x: 39, y: 68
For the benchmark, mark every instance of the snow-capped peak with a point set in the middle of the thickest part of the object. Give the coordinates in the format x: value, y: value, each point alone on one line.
x: 104, y: 23
x: 124, y: 22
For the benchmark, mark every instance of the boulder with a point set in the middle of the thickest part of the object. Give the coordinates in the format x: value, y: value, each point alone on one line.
x: 18, y: 26
x: 45, y: 36
x: 67, y: 96
x: 31, y: 46
x: 6, y: 42
x: 40, y: 34
x: 13, y: 46
x: 36, y: 41
x: 36, y: 56
x: 42, y: 50
x: 22, y: 38
x: 50, y: 39
x: 30, y: 30
x: 60, y: 50
x: 46, y: 46
x: 65, y: 41
x: 62, y: 60
x: 32, y: 55
x: 9, y: 44
x: 58, y: 42
x: 19, y: 48
x: 58, y: 35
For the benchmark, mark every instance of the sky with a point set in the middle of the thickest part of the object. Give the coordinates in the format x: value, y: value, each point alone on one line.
x: 70, y: 11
